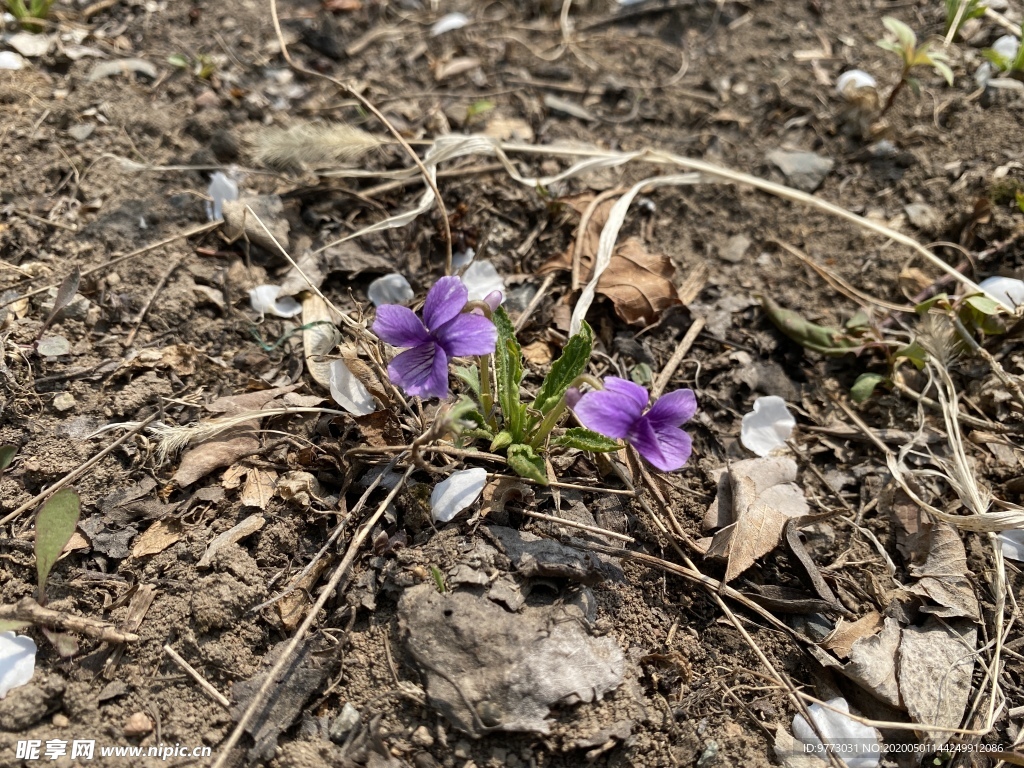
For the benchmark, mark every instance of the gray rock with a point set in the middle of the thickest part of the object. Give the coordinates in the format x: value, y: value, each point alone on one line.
x: 735, y: 249
x: 923, y: 216
x: 803, y: 170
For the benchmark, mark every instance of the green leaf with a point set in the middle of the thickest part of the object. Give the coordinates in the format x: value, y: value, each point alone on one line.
x: 641, y: 374
x: 470, y: 376
x: 915, y: 353
x: 12, y: 625
x: 819, y: 338
x: 55, y: 523
x: 525, y: 462
x: 508, y: 366
x: 943, y: 69
x: 904, y: 34
x: 864, y: 386
x: 179, y: 60
x: 889, y: 45
x: 586, y: 440
x: 501, y: 441
x: 7, y: 454
x: 565, y: 369
x: 984, y: 304
x: 478, y: 108
x: 925, y: 306
x: 1018, y: 194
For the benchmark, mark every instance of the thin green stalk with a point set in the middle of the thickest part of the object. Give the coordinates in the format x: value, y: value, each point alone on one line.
x: 487, y: 391
x: 552, y: 417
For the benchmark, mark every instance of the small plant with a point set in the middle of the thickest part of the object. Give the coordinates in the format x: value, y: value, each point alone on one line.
x: 201, y: 65
x: 912, y: 56
x: 1006, y: 54
x: 29, y: 15
x: 453, y: 326
x: 960, y: 11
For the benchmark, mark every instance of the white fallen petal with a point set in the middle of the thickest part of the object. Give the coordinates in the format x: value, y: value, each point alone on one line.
x: 17, y: 661
x: 222, y: 189
x: 449, y: 23
x: 1007, y: 47
x: 348, y: 391
x: 457, y: 492
x: 464, y: 258
x: 1013, y: 544
x: 264, y: 300
x: 768, y: 426
x: 482, y: 279
x: 1008, y: 290
x: 11, y: 60
x: 853, y: 80
x: 855, y: 743
x: 390, y: 289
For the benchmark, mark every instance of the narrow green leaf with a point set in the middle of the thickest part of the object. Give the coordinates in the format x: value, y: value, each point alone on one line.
x: 178, y: 60
x: 915, y: 353
x: 864, y: 386
x: 7, y: 454
x: 925, y: 306
x: 12, y: 625
x: 586, y: 440
x: 572, y: 362
x: 984, y: 304
x: 525, y: 462
x: 903, y: 33
x: 508, y: 366
x: 55, y: 524
x: 819, y: 338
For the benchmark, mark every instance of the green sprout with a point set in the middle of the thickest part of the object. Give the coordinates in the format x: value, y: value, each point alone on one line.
x: 29, y: 15
x: 1007, y: 55
x: 911, y: 55
x: 201, y: 65
x: 55, y: 525
x: 960, y: 11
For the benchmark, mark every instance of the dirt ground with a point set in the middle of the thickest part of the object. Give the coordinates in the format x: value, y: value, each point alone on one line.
x: 104, y: 172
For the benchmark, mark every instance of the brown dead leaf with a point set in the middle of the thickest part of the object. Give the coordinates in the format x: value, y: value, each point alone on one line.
x: 158, y: 537
x: 234, y: 476
x: 259, y: 488
x: 936, y: 662
x: 537, y: 353
x: 183, y: 359
x: 223, y: 451
x: 639, y: 284
x: 847, y: 633
x: 380, y: 429
x: 873, y: 663
x: 292, y: 607
x: 233, y: 535
x: 763, y: 499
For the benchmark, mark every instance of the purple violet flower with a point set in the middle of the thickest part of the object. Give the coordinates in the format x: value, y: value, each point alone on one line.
x: 422, y: 369
x: 617, y: 412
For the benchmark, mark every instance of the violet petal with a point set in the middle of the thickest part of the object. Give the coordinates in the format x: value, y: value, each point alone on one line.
x: 633, y: 391
x: 444, y: 301
x: 675, y: 447
x: 673, y: 409
x: 611, y: 414
x: 399, y: 326
x: 421, y: 371
x: 467, y: 335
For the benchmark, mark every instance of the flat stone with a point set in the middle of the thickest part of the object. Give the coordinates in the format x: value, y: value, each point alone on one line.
x: 923, y: 216
x: 65, y: 401
x: 735, y: 249
x: 803, y: 170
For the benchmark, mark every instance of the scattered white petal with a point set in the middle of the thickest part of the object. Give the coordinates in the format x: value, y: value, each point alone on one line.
x: 449, y: 23
x: 390, y: 289
x: 17, y: 661
x: 11, y: 60
x: 1008, y: 290
x: 264, y: 300
x: 1013, y: 544
x: 454, y: 494
x: 852, y: 742
x: 222, y: 189
x: 1007, y: 47
x: 463, y: 258
x: 768, y: 426
x: 482, y: 279
x: 853, y: 80
x: 348, y: 391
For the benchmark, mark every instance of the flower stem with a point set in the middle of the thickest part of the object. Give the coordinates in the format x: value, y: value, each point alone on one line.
x: 555, y: 413
x: 893, y: 93
x: 487, y: 391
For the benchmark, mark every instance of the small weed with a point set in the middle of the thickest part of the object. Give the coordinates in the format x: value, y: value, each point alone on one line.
x: 912, y: 55
x: 960, y: 11
x: 28, y: 15
x: 201, y: 65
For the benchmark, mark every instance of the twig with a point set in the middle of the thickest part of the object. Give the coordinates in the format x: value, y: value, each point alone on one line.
x: 534, y: 302
x: 326, y: 594
x: 30, y: 611
x: 677, y: 357
x: 99, y: 6
x: 205, y: 684
x: 41, y: 220
x: 369, y: 107
x: 581, y: 526
x: 77, y: 471
x: 152, y: 297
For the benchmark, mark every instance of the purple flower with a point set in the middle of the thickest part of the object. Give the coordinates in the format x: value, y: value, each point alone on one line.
x: 444, y: 332
x: 617, y: 411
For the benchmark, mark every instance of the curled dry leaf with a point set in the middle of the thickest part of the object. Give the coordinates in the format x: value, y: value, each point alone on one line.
x: 638, y: 283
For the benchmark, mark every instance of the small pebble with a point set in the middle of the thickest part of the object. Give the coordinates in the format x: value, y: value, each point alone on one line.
x: 421, y: 737
x: 60, y: 721
x: 65, y: 401
x: 138, y: 725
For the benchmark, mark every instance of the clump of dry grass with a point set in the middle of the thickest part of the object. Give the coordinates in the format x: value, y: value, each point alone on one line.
x: 311, y: 145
